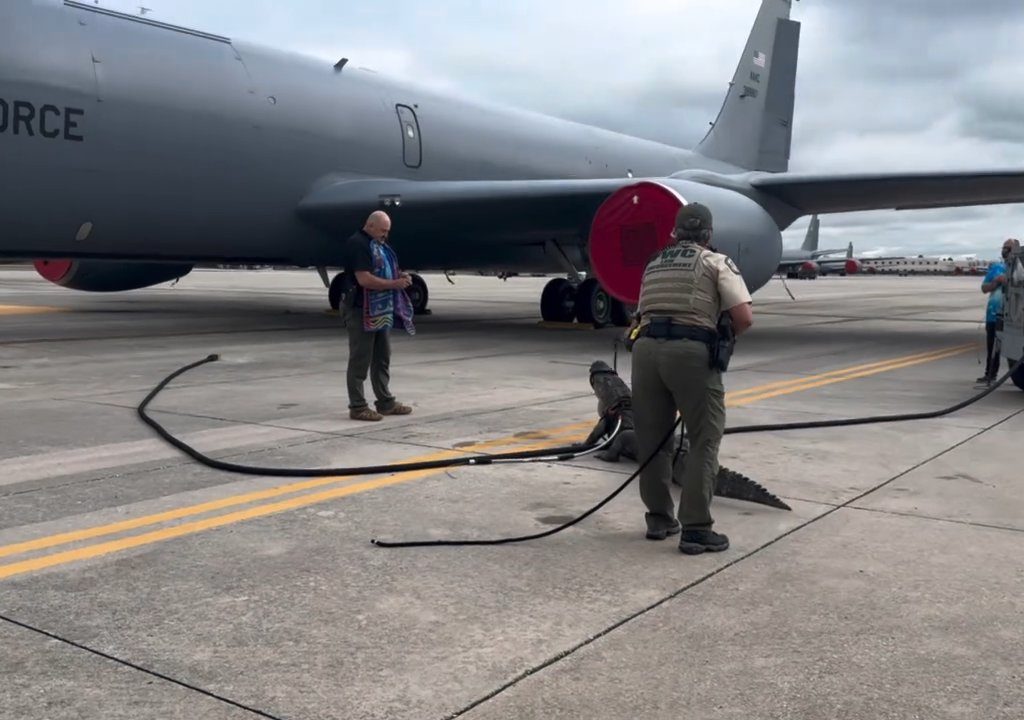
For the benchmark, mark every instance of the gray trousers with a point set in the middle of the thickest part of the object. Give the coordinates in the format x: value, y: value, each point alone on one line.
x: 670, y: 376
x: 367, y: 352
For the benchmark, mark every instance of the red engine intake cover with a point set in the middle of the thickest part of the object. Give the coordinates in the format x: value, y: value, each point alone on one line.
x: 53, y: 270
x: 632, y: 225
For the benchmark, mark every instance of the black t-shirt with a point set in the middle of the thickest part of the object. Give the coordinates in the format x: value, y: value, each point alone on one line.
x: 358, y: 257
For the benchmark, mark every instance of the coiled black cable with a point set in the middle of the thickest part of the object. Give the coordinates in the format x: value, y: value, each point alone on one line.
x: 552, y: 454
x: 556, y: 454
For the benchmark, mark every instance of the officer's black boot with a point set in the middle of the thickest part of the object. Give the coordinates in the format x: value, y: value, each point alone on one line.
x: 695, y: 542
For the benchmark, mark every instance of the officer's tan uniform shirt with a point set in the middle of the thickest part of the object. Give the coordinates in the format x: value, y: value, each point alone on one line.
x: 692, y: 285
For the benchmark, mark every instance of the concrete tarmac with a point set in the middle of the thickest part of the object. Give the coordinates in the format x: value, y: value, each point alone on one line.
x: 136, y: 583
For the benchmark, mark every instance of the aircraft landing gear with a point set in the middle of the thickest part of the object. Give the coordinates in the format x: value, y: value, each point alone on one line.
x: 335, y: 290
x: 558, y: 301
x: 593, y: 304
x: 620, y: 313
x: 588, y: 304
x: 418, y: 295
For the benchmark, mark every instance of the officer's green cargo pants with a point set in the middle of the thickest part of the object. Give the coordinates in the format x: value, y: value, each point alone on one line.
x: 670, y: 376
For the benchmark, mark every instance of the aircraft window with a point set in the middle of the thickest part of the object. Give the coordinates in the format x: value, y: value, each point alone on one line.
x: 409, y: 127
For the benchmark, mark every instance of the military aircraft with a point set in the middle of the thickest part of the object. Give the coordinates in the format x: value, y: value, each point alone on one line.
x: 809, y: 261
x: 132, y: 150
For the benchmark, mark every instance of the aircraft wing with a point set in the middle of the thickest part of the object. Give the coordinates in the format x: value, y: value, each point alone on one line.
x: 818, y: 193
x: 566, y: 207
x: 825, y: 253
x: 519, y: 208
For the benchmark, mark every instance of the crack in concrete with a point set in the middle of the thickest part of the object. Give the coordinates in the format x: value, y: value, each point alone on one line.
x: 127, y: 663
x: 933, y: 518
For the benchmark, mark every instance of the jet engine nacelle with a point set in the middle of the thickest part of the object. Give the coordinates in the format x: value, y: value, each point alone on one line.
x: 809, y: 269
x: 106, y: 276
x: 633, y: 223
x: 853, y: 266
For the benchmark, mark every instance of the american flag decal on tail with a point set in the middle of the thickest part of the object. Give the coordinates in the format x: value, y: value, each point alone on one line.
x: 760, y: 59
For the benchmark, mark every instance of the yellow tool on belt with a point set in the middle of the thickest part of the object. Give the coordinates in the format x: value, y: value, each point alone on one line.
x: 631, y: 337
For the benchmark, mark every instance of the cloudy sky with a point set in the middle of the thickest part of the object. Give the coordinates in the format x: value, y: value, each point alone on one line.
x: 900, y: 85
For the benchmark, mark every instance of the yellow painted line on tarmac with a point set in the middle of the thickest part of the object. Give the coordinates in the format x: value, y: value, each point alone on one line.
x: 550, y: 436
x: 28, y: 310
x: 190, y: 528
x: 269, y: 494
x: 881, y: 366
x: 812, y: 382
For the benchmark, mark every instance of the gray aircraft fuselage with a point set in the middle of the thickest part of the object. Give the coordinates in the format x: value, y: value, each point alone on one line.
x: 178, y: 145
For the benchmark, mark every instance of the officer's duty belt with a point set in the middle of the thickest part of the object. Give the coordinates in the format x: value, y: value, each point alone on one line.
x: 675, y: 331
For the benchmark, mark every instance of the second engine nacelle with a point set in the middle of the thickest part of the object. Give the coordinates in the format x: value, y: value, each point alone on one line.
x: 635, y: 222
x: 108, y: 276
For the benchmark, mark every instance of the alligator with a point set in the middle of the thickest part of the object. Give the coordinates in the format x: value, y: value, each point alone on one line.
x: 615, y: 403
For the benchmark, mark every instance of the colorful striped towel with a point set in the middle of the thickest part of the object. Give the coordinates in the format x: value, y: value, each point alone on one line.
x: 381, y: 308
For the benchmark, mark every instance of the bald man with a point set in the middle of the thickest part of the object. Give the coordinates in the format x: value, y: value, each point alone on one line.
x: 375, y: 301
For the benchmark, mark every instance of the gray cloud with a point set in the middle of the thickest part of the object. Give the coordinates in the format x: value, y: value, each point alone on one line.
x: 907, y: 85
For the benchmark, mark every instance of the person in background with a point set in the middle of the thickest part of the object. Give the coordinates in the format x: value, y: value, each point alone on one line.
x: 374, y: 302
x: 993, y: 285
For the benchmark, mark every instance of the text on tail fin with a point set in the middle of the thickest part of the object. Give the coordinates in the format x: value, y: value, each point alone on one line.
x: 754, y: 127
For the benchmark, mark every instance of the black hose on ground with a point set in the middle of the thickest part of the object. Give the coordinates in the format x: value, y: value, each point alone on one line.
x: 774, y: 427
x: 560, y: 454
x: 566, y: 452
x: 876, y: 419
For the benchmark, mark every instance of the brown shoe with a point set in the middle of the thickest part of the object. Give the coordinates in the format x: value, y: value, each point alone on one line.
x: 396, y: 409
x: 365, y: 413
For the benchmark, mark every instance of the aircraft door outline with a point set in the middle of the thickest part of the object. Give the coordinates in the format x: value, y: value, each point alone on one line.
x: 412, y: 145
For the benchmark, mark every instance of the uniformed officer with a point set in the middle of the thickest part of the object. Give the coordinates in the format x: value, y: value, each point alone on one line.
x: 685, y: 289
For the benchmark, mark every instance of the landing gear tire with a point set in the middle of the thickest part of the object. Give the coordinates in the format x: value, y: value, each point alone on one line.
x: 620, y: 313
x: 593, y: 304
x: 558, y: 301
x: 334, y: 292
x: 418, y: 294
x: 1018, y: 376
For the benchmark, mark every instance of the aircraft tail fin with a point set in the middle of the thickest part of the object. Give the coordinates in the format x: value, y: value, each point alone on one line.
x: 754, y: 127
x: 811, y: 241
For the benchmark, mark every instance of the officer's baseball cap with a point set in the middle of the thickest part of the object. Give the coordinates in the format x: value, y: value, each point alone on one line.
x: 693, y: 217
